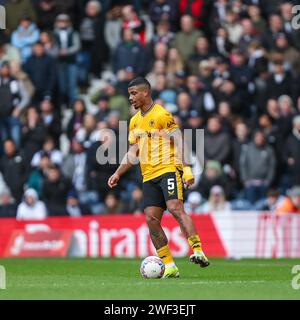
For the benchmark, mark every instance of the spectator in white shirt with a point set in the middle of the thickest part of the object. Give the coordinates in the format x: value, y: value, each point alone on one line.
x: 31, y: 208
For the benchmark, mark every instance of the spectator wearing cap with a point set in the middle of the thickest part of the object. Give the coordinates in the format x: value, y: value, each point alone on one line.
x: 15, y: 10
x: 31, y: 208
x: 14, y: 98
x: 129, y: 53
x: 12, y: 166
x: 41, y: 69
x: 257, y: 167
x: 68, y: 42
x: 55, y: 190
x: 292, y: 152
x: 25, y: 36
x: 185, y: 40
x: 291, y: 203
x: 217, y: 144
x: 216, y: 201
x: 74, y: 208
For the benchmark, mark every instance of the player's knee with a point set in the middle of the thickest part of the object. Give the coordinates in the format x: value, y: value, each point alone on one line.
x: 176, y: 209
x: 151, y: 220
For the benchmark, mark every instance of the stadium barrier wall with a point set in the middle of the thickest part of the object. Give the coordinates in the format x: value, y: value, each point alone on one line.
x: 226, y: 234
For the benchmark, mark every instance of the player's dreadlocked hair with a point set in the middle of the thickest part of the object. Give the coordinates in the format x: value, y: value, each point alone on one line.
x: 139, y: 81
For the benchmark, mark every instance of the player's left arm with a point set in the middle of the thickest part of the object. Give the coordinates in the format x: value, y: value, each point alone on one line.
x: 182, y: 152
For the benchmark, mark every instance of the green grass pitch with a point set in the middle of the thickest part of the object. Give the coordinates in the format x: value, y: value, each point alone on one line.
x: 120, y: 279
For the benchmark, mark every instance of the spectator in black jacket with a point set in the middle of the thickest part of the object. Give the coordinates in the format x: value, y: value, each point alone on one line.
x: 217, y: 142
x: 129, y: 54
x: 34, y: 135
x: 292, y: 152
x: 41, y: 69
x: 55, y: 190
x: 13, y: 169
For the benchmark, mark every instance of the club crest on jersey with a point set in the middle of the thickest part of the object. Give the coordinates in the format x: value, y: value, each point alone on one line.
x: 151, y: 123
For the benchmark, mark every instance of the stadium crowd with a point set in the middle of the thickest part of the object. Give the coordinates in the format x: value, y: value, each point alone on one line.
x: 231, y: 67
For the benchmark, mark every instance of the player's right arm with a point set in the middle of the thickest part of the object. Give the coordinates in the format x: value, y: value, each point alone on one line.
x: 129, y: 160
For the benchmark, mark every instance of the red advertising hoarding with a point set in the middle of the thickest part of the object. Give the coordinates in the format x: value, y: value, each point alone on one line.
x: 106, y: 236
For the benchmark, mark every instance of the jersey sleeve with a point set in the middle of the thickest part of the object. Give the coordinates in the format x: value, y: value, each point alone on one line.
x: 167, y: 122
x: 132, y: 136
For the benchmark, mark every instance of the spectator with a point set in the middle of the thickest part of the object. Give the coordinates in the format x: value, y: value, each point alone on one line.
x: 117, y: 100
x: 213, y: 175
x: 271, y: 203
x: 113, y: 204
x: 8, y: 52
x: 8, y: 206
x: 76, y: 121
x: 193, y: 203
x: 217, y: 142
x: 51, y: 120
x: 166, y: 10
x: 68, y: 42
x: 257, y: 167
x: 14, y: 98
x: 31, y: 208
x: 216, y: 201
x: 48, y: 41
x: 186, y: 39
x: 25, y: 36
x: 129, y: 53
x: 91, y: 29
x: 196, y: 8
x: 136, y: 204
x: 163, y: 33
x: 292, y: 152
x: 13, y: 169
x: 15, y: 11
x: 55, y: 190
x: 49, y: 149
x: 38, y: 175
x: 75, y: 167
x: 41, y: 69
x: 291, y: 203
x: 33, y: 134
x: 74, y: 208
x: 88, y: 133
x: 46, y: 12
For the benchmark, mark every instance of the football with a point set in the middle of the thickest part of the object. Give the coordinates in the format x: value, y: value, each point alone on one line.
x: 152, y: 267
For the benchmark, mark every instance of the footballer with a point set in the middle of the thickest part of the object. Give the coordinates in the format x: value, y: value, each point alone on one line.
x: 151, y: 130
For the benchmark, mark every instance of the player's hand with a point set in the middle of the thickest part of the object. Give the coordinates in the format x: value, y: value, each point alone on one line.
x: 113, y: 180
x: 188, y: 178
